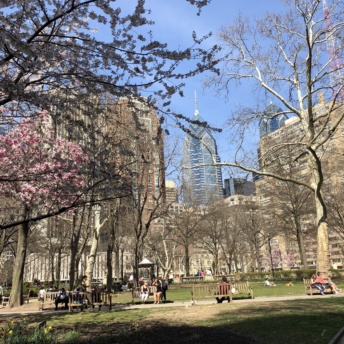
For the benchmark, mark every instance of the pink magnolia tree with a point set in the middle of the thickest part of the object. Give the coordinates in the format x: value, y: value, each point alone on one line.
x: 279, y: 259
x: 43, y: 174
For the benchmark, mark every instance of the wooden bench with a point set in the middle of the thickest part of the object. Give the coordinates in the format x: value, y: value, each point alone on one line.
x: 242, y: 288
x: 83, y: 300
x: 209, y: 290
x: 26, y: 298
x: 192, y: 278
x: 312, y: 290
x: 218, y: 290
x: 48, y: 300
x: 136, y: 292
x: 99, y: 299
x: 230, y: 278
x: 224, y: 293
x: 6, y: 299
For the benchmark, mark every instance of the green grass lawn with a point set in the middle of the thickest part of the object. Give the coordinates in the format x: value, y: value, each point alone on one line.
x: 314, y: 320
x: 183, y: 294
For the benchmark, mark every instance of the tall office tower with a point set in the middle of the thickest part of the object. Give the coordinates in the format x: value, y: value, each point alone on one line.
x: 202, y: 181
x: 271, y: 120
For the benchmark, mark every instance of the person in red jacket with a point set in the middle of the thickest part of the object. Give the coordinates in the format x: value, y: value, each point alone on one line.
x: 224, y: 288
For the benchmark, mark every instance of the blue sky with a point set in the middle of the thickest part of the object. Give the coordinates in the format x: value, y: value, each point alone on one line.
x: 175, y: 20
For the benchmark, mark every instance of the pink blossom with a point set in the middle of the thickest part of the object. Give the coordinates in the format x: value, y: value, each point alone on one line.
x: 38, y: 169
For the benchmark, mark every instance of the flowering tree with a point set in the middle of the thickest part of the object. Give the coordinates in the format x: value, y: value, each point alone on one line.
x: 51, y: 50
x: 42, y: 173
x: 279, y: 259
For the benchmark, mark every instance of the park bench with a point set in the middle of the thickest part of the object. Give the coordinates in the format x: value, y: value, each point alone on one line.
x: 242, y: 288
x: 209, y: 290
x: 136, y: 292
x: 230, y: 278
x: 192, y: 278
x: 99, y: 299
x: 314, y: 291
x: 6, y: 299
x: 26, y: 297
x: 218, y: 290
x: 48, y: 300
x: 81, y: 300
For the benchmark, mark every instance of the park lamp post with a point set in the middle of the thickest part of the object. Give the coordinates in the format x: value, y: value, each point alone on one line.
x: 270, y: 252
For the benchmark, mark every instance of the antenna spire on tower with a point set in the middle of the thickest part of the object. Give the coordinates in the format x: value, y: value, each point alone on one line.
x: 196, y: 105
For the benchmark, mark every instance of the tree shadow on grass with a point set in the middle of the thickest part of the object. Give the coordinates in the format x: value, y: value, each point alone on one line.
x: 303, y: 322
x: 163, y: 333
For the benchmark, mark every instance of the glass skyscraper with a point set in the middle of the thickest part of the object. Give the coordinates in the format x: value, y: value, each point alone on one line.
x: 202, y: 182
x: 271, y: 120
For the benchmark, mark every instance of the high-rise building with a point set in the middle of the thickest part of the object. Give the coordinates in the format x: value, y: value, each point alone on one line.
x: 143, y: 143
x: 271, y: 120
x: 171, y: 192
x: 278, y: 155
x: 202, y: 181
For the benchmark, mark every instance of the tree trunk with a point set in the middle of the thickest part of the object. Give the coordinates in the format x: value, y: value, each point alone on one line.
x: 52, y: 269
x: 117, y: 263
x: 323, y: 252
x: 94, y: 246
x: 16, y: 299
x: 187, y: 260
x: 58, y: 264
x: 300, y: 243
x: 122, y: 265
x: 257, y: 256
x: 136, y: 264
x: 109, y: 267
x: 216, y: 262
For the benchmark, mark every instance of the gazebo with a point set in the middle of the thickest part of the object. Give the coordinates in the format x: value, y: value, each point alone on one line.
x: 146, y: 264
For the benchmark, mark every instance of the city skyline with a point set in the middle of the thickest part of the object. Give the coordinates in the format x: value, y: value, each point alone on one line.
x: 201, y: 181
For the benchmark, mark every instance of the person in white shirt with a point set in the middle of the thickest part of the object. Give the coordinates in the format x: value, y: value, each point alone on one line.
x: 41, y: 294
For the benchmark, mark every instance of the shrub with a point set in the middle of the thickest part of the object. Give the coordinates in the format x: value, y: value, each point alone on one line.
x: 70, y: 337
x: 19, y: 333
x: 283, y: 275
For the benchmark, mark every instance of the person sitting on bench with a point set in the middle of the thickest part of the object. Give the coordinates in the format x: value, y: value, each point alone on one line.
x: 223, y: 290
x: 62, y: 297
